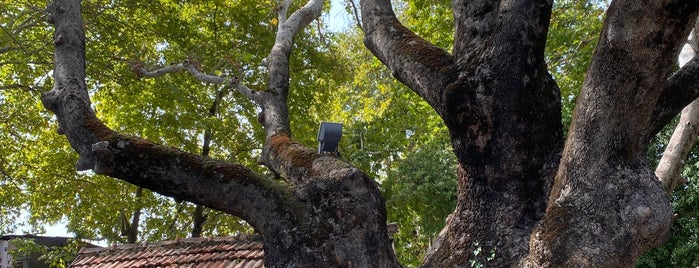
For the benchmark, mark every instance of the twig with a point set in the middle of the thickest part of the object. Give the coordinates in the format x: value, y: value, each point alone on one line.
x: 355, y: 11
x: 281, y: 14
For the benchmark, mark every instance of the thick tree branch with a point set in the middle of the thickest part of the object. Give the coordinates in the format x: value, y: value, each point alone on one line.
x: 299, y: 164
x: 217, y: 184
x: 684, y: 136
x: 275, y: 113
x: 669, y: 168
x: 423, y: 67
x: 198, y: 218
x: 296, y: 163
x: 680, y: 89
x: 233, y: 82
x: 299, y: 19
x: 282, y: 12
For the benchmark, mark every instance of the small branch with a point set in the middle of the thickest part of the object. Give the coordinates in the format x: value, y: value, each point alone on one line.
x: 24, y: 63
x: 7, y: 49
x: 12, y: 37
x: 228, y: 187
x: 355, y: 12
x: 7, y: 176
x: 233, y: 82
x: 16, y: 86
x: 281, y: 14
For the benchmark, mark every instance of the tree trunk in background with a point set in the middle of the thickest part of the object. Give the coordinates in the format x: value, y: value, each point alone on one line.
x: 684, y: 137
x: 669, y: 170
x: 198, y: 220
x: 132, y: 234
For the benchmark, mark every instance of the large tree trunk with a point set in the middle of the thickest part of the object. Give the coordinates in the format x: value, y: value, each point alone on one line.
x: 607, y: 207
x: 326, y: 213
x: 503, y: 111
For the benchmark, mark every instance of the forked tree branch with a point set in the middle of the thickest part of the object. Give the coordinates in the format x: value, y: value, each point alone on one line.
x: 684, y: 136
x: 220, y: 185
x: 275, y: 111
x: 282, y: 11
x: 233, y: 82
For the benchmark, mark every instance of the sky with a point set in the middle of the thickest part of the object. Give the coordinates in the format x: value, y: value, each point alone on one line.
x: 337, y: 19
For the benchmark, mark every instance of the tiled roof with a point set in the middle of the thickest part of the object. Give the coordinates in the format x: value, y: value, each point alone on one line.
x: 223, y: 252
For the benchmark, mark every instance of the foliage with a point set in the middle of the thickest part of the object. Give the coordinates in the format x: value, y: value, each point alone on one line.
x: 387, y: 127
x: 572, y: 37
x: 23, y: 67
x: 682, y: 247
x: 419, y: 196
x: 477, y: 251
x: 431, y: 20
x: 382, y: 119
x: 54, y: 256
x: 219, y: 37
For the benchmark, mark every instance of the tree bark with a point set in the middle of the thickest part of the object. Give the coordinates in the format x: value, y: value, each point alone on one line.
x: 669, y: 169
x: 606, y: 206
x: 503, y: 111
x: 326, y: 213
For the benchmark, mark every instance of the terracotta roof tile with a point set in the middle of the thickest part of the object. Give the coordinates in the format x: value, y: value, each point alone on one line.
x: 224, y: 252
